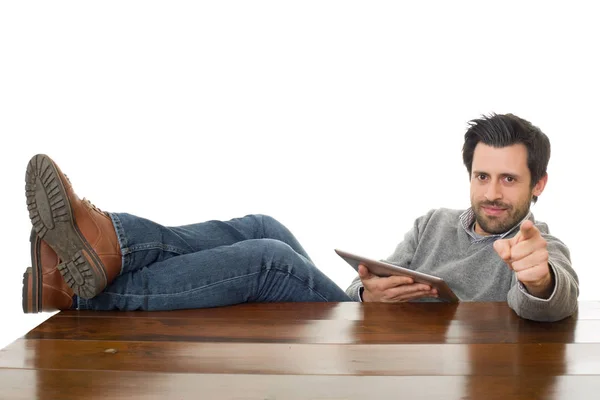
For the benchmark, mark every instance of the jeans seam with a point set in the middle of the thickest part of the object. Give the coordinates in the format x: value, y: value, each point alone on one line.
x: 262, y: 223
x: 217, y: 283
x: 122, y: 239
x: 155, y: 245
x: 299, y: 280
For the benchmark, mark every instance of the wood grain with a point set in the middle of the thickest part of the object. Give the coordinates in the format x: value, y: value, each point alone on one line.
x: 425, y: 329
x: 348, y: 311
x: 307, y: 350
x: 305, y: 359
x: 22, y: 384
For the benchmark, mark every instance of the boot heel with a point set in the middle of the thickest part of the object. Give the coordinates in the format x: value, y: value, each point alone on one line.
x: 31, y: 292
x: 79, y: 275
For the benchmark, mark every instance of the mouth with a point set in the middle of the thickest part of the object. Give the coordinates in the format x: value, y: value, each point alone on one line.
x: 493, y: 211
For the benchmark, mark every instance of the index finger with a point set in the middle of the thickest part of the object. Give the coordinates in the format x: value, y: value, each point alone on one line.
x: 528, y: 230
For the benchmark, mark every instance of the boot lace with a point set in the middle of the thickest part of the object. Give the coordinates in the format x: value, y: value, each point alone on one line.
x: 90, y: 204
x: 86, y: 201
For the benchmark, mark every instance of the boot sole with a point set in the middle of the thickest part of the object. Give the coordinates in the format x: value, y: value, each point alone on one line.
x: 32, y: 280
x: 52, y: 218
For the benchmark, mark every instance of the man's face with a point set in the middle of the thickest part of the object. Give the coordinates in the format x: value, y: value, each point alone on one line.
x: 501, y: 192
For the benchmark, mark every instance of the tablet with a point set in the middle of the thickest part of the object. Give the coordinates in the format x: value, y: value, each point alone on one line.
x: 384, y: 269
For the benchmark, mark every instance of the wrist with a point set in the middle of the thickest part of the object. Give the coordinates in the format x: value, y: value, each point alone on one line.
x: 365, y: 295
x: 543, y: 288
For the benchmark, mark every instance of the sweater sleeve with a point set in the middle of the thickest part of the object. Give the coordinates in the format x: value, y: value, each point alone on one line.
x: 402, y: 255
x: 562, y: 302
x: 354, y: 288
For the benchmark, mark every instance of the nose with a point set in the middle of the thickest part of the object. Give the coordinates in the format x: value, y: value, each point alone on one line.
x: 493, y: 191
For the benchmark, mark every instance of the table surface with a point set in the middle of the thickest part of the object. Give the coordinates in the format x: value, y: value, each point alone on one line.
x: 307, y: 350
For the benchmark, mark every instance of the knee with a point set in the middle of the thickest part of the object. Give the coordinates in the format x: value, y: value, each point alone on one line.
x: 268, y: 222
x: 279, y: 255
x: 267, y: 219
x: 275, y: 248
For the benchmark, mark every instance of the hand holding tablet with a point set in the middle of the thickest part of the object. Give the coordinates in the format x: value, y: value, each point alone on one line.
x: 404, y: 286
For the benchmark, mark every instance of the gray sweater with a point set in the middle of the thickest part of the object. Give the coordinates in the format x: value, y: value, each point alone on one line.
x: 442, y: 244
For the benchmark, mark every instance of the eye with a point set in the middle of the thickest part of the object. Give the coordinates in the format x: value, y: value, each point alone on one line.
x: 481, y: 177
x: 509, y: 179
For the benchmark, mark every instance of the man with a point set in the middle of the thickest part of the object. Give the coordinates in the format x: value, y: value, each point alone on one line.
x: 85, y: 258
x: 495, y: 250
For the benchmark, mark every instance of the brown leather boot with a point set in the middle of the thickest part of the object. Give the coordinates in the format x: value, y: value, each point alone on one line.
x: 82, y: 236
x: 43, y: 286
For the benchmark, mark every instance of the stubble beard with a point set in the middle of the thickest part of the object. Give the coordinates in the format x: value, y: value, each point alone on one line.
x: 497, y: 225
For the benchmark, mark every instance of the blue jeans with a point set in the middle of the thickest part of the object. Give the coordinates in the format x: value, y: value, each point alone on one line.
x: 210, y: 264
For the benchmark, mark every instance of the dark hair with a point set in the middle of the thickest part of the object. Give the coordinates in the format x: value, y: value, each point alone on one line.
x: 505, y: 130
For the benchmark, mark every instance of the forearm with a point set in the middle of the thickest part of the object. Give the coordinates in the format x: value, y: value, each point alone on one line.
x: 561, y: 303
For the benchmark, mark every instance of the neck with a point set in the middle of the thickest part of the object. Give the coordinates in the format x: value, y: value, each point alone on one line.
x: 478, y: 230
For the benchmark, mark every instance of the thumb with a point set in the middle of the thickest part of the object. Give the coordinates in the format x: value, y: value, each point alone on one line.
x: 364, y: 272
x: 502, y: 247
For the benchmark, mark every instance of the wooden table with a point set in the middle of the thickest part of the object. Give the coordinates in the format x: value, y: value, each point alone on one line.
x: 307, y: 351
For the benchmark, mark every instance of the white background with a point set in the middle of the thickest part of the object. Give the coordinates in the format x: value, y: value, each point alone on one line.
x: 344, y: 120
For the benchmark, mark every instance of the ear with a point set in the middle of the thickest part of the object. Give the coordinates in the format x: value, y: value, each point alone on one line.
x: 540, y: 185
